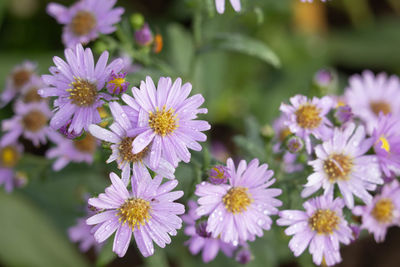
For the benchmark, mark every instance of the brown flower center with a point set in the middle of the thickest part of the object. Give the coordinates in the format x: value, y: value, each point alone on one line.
x: 338, y: 167
x: 307, y: 116
x: 9, y: 156
x: 21, y: 77
x: 86, y: 145
x: 34, y: 121
x: 82, y: 92
x: 134, y: 212
x: 125, y: 150
x: 32, y: 96
x: 163, y: 122
x: 83, y: 23
x: 237, y: 200
x: 380, y: 106
x: 324, y: 221
x: 285, y: 132
x: 383, y: 210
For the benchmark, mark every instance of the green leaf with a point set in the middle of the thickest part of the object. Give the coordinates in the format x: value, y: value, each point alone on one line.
x: 106, y: 254
x: 27, y: 238
x: 246, y: 45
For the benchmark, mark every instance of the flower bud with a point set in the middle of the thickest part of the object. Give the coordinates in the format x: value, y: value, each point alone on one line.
x: 219, y: 175
x: 295, y: 144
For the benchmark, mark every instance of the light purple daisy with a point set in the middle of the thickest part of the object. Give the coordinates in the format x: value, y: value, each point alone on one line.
x: 29, y: 93
x: 240, y: 210
x: 383, y: 212
x: 83, y: 234
x: 86, y: 19
x: 308, y: 117
x: 148, y: 212
x: 220, y: 5
x: 167, y: 120
x: 9, y: 157
x: 342, y: 161
x: 386, y: 138
x: 29, y: 121
x: 18, y: 78
x: 67, y: 150
x: 121, y: 145
x: 321, y: 226
x: 368, y: 95
x: 76, y: 84
x: 200, y: 239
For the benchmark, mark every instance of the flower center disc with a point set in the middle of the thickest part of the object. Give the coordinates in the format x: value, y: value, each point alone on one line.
x: 21, y: 77
x: 134, y: 212
x: 324, y: 221
x: 285, y: 132
x: 82, y: 92
x: 9, y: 157
x: 383, y: 210
x: 86, y: 145
x: 237, y: 199
x: 380, y: 106
x: 125, y: 150
x: 163, y: 122
x: 307, y: 116
x: 34, y: 121
x: 83, y: 23
x: 338, y: 167
x: 32, y: 96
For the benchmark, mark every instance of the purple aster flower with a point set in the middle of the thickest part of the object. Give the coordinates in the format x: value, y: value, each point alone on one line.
x: 86, y: 19
x: 121, y: 145
x: 382, y: 213
x: 30, y: 121
x: 386, y: 138
x: 144, y: 36
x: 240, y: 210
x: 219, y: 174
x: 66, y: 150
x: 308, y: 117
x: 117, y: 84
x: 368, y: 95
x: 342, y: 161
x: 321, y: 226
x: 19, y: 77
x: 220, y: 5
x: 83, y: 234
x: 9, y: 157
x: 167, y: 120
x: 294, y: 144
x: 29, y: 93
x: 344, y: 114
x: 77, y: 83
x: 148, y: 212
x: 200, y: 239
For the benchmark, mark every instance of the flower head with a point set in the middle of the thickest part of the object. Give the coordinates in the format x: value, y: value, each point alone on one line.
x: 117, y: 84
x: 9, y: 158
x: 86, y: 19
x: 220, y: 5
x: 321, y: 226
x: 76, y: 84
x: 144, y: 36
x: 344, y: 114
x: 148, y: 212
x: 382, y: 212
x: 341, y: 161
x: 219, y: 174
x: 167, y: 120
x: 239, y: 210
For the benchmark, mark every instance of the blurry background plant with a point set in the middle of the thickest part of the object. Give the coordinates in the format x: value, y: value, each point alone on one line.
x: 245, y: 64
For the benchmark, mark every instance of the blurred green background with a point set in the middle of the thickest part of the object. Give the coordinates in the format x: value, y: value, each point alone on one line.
x: 237, y: 81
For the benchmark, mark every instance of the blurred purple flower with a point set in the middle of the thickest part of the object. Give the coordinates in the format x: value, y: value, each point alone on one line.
x: 9, y: 157
x: 144, y: 36
x: 220, y: 5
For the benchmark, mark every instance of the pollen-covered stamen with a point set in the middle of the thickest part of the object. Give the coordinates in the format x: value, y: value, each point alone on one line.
x: 21, y: 77
x: 9, y: 157
x: 34, y: 121
x: 384, y: 143
x: 307, y: 116
x: 380, y: 106
x: 383, y: 210
x: 86, y: 144
x: 237, y: 199
x: 324, y: 221
x: 163, y: 122
x: 82, y: 92
x: 32, y: 96
x: 338, y: 167
x: 83, y: 23
x: 135, y: 212
x: 125, y: 151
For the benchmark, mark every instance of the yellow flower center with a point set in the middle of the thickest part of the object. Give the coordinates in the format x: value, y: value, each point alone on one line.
x: 86, y: 144
x: 383, y: 210
x: 134, y: 212
x: 384, y: 143
x: 32, y: 96
x: 83, y: 23
x: 285, y: 132
x: 21, y: 77
x: 237, y: 200
x: 125, y: 150
x: 220, y: 174
x: 117, y: 82
x: 324, y: 221
x: 82, y: 92
x: 380, y: 106
x: 9, y: 157
x: 338, y: 167
x: 163, y: 122
x: 34, y: 121
x: 103, y: 115
x: 307, y: 116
